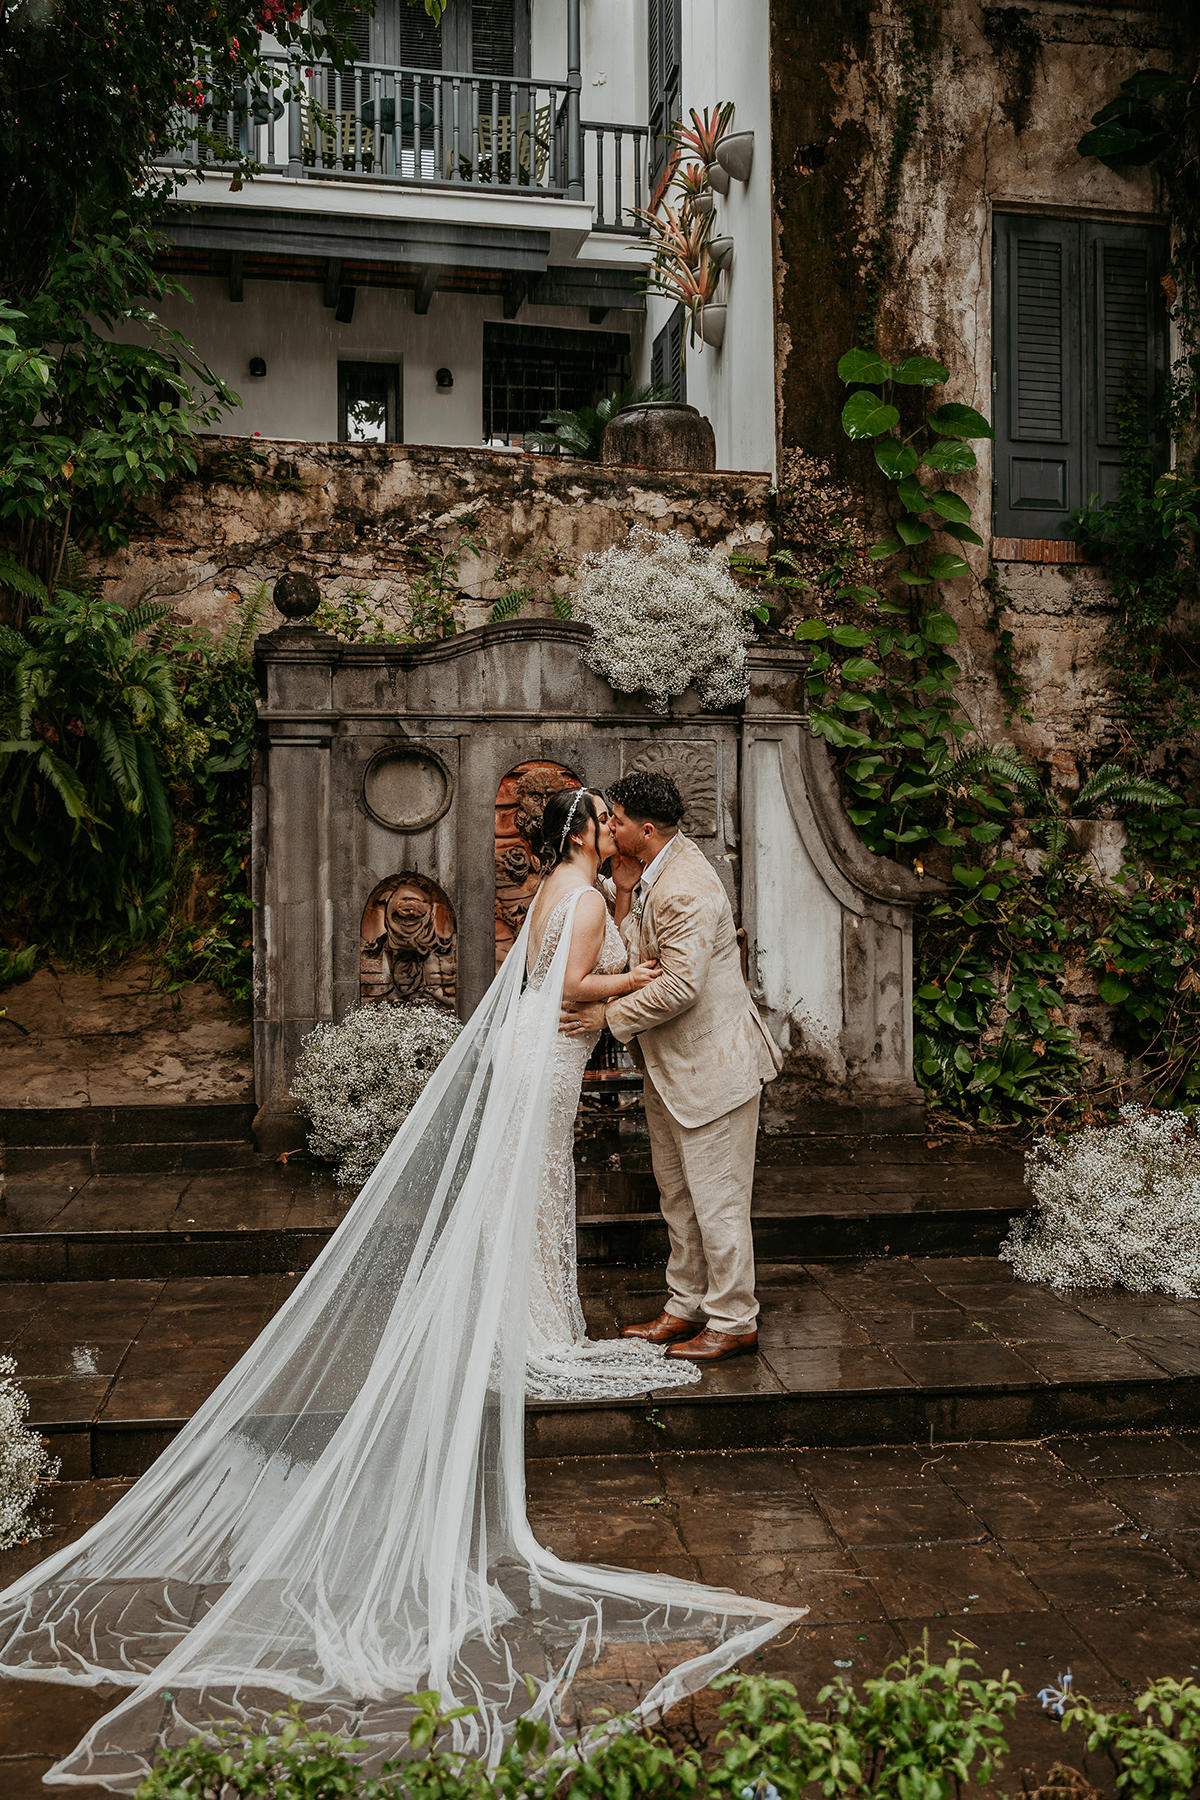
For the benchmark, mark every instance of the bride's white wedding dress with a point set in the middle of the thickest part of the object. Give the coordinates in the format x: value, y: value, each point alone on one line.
x: 343, y: 1521
x: 561, y: 1363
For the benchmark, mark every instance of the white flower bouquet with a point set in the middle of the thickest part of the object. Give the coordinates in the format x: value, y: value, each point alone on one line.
x: 665, y: 612
x: 25, y: 1464
x: 1118, y: 1206
x: 358, y: 1081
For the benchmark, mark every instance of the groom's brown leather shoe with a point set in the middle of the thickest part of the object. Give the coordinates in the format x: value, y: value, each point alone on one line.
x: 668, y: 1328
x: 714, y: 1346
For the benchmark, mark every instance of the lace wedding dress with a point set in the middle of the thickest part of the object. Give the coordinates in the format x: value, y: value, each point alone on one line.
x: 343, y: 1521
x: 561, y: 1363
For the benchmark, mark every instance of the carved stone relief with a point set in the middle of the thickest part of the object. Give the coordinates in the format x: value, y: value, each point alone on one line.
x: 519, y: 802
x: 692, y: 766
x: 409, y: 943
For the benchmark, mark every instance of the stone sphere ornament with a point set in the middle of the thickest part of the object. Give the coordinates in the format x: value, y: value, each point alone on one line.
x: 296, y: 596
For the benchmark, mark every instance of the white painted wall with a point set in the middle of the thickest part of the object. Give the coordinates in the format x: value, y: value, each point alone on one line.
x: 301, y: 343
x: 726, y: 56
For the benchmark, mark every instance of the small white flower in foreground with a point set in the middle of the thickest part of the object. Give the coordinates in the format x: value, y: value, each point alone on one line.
x: 358, y: 1081
x: 1117, y: 1206
x: 665, y: 613
x: 25, y: 1465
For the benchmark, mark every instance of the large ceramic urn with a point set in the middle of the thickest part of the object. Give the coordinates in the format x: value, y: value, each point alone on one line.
x: 659, y: 434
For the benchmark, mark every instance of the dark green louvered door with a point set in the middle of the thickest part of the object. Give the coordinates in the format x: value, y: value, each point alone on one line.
x: 1079, y: 320
x: 664, y: 20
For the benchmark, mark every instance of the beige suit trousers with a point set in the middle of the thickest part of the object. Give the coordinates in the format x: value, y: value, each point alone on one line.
x: 705, y: 1176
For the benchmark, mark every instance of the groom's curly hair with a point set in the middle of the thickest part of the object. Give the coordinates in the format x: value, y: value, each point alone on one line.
x: 649, y: 797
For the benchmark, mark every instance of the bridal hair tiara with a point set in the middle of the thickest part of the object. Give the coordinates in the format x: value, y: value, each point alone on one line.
x: 567, y: 827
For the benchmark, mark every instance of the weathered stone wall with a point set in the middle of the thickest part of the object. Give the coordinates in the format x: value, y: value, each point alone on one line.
x: 1012, y: 89
x: 355, y: 516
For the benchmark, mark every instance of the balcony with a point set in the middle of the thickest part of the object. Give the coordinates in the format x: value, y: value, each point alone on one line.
x: 386, y: 125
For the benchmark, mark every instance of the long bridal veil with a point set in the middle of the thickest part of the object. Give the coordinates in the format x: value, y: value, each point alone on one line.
x: 343, y: 1521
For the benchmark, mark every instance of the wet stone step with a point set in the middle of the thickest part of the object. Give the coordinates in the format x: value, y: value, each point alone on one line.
x: 64, y: 1223
x: 851, y: 1351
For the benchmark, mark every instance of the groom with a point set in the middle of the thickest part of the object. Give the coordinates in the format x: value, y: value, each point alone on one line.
x: 705, y: 1054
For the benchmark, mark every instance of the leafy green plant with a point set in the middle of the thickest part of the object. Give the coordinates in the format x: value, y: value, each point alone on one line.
x: 578, y: 432
x: 435, y: 593
x: 81, y: 787
x: 525, y: 575
x: 882, y: 680
x: 1147, y: 543
x: 1155, y: 1752
x: 353, y: 618
x: 918, y: 1732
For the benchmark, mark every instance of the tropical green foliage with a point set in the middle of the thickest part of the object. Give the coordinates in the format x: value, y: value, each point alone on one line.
x: 82, y: 798
x: 993, y: 1041
x: 123, y: 785
x: 579, y: 432
x: 1146, y: 540
x: 1155, y: 1751
x: 89, y: 425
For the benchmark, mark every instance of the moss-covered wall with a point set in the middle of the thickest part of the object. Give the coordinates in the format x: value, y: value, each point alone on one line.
x: 1011, y: 88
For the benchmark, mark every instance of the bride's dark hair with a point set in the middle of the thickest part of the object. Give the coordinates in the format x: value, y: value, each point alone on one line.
x: 563, y: 814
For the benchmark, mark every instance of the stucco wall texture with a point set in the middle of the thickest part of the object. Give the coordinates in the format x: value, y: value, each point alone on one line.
x: 354, y: 515
x: 1012, y: 88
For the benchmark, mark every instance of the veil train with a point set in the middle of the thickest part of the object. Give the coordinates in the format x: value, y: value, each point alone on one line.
x: 343, y: 1521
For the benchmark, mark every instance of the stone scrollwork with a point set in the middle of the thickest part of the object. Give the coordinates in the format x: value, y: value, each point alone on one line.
x: 409, y: 943
x: 692, y: 766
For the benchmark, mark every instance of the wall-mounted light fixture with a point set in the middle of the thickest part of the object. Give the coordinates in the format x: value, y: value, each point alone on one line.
x: 444, y: 378
x: 257, y: 366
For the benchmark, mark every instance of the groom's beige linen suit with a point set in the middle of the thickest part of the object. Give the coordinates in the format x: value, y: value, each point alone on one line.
x: 705, y: 1055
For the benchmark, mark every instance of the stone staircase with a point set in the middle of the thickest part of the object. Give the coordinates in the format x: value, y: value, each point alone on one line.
x: 139, y: 1256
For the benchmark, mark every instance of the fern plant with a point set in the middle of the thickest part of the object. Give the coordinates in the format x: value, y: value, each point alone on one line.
x: 579, y: 432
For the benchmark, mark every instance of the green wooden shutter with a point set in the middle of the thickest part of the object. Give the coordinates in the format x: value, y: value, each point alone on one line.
x: 1039, y: 422
x: 665, y: 23
x: 1125, y: 264
x: 667, y: 368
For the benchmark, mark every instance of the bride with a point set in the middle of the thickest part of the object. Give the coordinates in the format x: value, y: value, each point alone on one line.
x: 561, y: 1364
x: 343, y: 1521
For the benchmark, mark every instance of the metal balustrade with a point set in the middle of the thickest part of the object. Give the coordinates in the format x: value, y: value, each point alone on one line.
x: 439, y: 128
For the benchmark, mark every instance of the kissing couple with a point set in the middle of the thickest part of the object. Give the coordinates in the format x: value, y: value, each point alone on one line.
x: 342, y: 1523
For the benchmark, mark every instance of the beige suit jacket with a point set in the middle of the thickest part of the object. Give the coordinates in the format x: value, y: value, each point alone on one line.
x: 701, y: 1039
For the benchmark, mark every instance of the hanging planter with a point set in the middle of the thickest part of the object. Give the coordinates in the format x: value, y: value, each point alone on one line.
x: 718, y: 178
x: 703, y: 203
x: 712, y: 325
x: 720, y: 250
x: 736, y: 154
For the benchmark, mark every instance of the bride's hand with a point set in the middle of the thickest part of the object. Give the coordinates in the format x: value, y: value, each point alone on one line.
x: 643, y: 975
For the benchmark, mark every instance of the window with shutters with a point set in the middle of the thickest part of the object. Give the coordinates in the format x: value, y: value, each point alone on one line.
x: 665, y: 78
x: 484, y: 37
x: 667, y: 368
x: 1079, y: 322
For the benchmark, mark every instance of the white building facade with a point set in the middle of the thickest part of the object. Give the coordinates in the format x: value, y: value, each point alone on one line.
x: 442, y: 244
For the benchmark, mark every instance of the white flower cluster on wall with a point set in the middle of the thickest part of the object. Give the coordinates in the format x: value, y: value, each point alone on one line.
x: 1118, y: 1206
x: 25, y: 1465
x: 358, y: 1081
x: 665, y: 612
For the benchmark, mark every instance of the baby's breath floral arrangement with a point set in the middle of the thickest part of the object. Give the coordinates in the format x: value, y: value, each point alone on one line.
x: 358, y: 1081
x: 25, y: 1465
x: 1118, y: 1206
x: 665, y: 612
